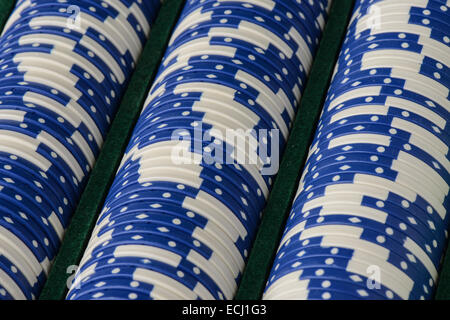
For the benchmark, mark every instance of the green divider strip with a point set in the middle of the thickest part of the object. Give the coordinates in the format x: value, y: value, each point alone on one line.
x: 286, y: 183
x: 6, y: 7
x: 443, y: 289
x: 98, y: 185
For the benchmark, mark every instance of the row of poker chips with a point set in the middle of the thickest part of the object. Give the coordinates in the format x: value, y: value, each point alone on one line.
x: 370, y: 217
x: 63, y: 68
x: 183, y: 209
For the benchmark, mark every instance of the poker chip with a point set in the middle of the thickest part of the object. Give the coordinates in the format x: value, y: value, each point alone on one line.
x: 184, y: 207
x: 369, y: 220
x: 62, y: 77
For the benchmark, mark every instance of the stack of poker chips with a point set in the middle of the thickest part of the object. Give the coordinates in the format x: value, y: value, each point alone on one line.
x: 370, y: 217
x: 63, y: 68
x: 183, y: 209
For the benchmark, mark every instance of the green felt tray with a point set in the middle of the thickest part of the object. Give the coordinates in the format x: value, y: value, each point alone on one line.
x: 285, y: 185
x: 6, y: 7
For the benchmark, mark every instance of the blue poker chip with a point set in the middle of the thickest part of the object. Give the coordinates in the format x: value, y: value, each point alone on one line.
x: 396, y: 84
x: 263, y: 15
x: 234, y: 67
x: 166, y: 138
x: 227, y: 177
x: 241, y: 19
x: 17, y: 173
x: 23, y: 258
x: 86, y: 100
x: 399, y: 245
x: 308, y: 10
x: 228, y: 40
x: 384, y: 221
x: 399, y: 283
x: 427, y: 109
x: 279, y: 13
x: 396, y: 77
x: 399, y: 136
x: 37, y: 218
x: 115, y: 294
x: 384, y: 37
x: 427, y: 18
x: 388, y: 109
x: 268, y: 72
x: 387, y: 91
x: 413, y: 18
x: 424, y: 212
x: 223, y: 279
x: 223, y: 190
x: 186, y: 277
x: 111, y: 72
x: 240, y: 50
x: 48, y: 155
x: 282, y: 119
x: 18, y: 286
x: 387, y: 136
x: 211, y: 144
x: 104, y: 48
x: 39, y: 131
x: 362, y: 179
x: 355, y: 73
x: 437, y: 37
x: 106, y: 280
x: 40, y: 92
x: 385, y: 166
x: 57, y: 120
x: 402, y: 125
x: 415, y: 122
x: 368, y: 287
x: 404, y: 80
x: 44, y: 232
x: 329, y: 286
x: 239, y: 231
x: 318, y: 293
x: 337, y: 225
x: 281, y: 51
x: 152, y: 229
x: 109, y: 265
x: 87, y: 148
x: 238, y: 103
x: 406, y: 45
x: 418, y: 208
x: 231, y: 235
x: 165, y: 207
x: 29, y: 189
x: 169, y: 221
x: 47, y: 179
x: 16, y: 202
x: 184, y: 273
x: 266, y: 93
x: 106, y: 33
x: 9, y: 225
x: 248, y: 111
x: 207, y: 121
